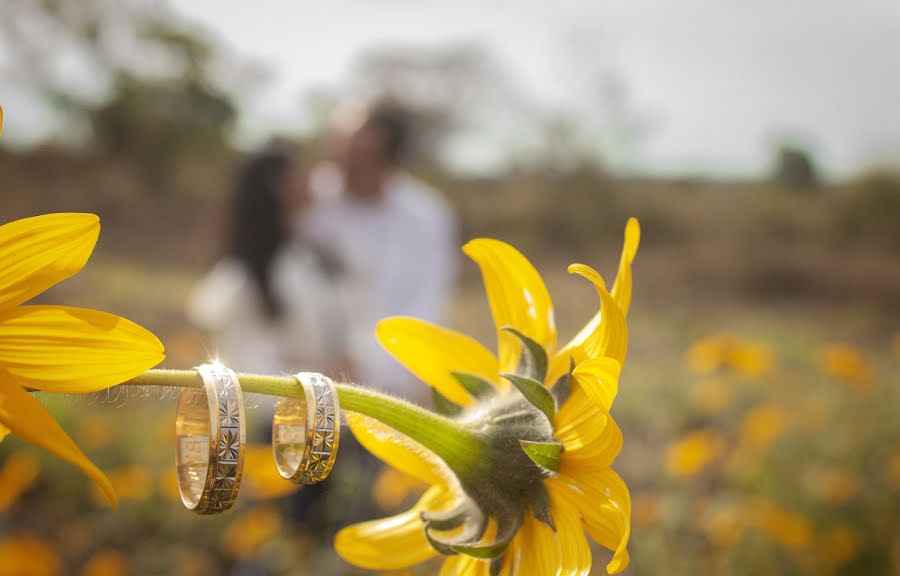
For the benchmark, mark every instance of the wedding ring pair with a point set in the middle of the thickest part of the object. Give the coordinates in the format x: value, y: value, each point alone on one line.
x: 210, y: 436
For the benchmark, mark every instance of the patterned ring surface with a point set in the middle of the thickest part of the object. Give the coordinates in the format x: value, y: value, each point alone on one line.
x: 306, y: 432
x: 209, y: 431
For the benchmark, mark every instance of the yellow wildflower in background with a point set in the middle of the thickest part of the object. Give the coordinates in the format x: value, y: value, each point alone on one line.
x: 106, y: 563
x: 28, y: 556
x: 246, y: 535
x: 784, y: 527
x: 522, y: 517
x: 710, y: 396
x: 894, y: 469
x: 131, y: 482
x: 762, y: 426
x: 693, y: 453
x: 838, y: 546
x: 835, y: 485
x: 261, y: 478
x: 58, y: 348
x: 392, y: 488
x: 727, y: 351
x: 849, y: 365
x: 18, y: 473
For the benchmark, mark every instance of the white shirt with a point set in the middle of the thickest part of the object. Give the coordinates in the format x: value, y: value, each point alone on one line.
x: 400, y: 251
x: 308, y: 334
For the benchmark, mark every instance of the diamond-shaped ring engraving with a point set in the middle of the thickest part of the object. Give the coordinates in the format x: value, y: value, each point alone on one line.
x: 306, y: 431
x: 209, y: 428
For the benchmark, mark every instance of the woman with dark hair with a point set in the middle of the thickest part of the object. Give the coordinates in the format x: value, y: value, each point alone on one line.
x: 270, y: 303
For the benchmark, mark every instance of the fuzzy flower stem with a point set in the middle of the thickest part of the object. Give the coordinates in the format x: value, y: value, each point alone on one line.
x: 452, y: 442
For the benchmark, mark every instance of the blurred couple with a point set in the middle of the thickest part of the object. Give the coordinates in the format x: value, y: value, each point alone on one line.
x: 316, y: 255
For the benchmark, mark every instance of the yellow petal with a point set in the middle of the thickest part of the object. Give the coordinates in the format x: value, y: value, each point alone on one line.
x: 398, y: 450
x: 605, y: 335
x: 391, y: 543
x: 591, y: 437
x: 599, y: 378
x: 36, y: 253
x: 64, y: 349
x: 517, y: 296
x: 602, y: 500
x: 574, y: 550
x: 28, y: 420
x: 536, y: 550
x: 621, y: 290
x: 462, y: 565
x: 432, y: 353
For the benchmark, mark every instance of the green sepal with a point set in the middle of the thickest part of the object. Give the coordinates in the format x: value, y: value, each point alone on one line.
x: 477, y: 386
x: 544, y: 454
x: 448, y: 519
x: 534, y: 392
x: 508, y: 526
x: 473, y: 520
x: 533, y: 360
x: 443, y: 405
x: 540, y: 505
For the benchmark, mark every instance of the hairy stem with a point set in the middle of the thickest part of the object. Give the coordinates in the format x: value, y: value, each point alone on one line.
x: 450, y: 440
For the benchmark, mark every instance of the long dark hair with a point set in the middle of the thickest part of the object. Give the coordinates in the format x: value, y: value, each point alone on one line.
x: 257, y: 226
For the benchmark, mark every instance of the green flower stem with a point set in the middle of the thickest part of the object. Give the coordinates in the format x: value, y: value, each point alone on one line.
x: 452, y: 442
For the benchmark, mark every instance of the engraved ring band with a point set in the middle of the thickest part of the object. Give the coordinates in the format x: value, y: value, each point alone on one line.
x: 209, y: 430
x: 306, y: 430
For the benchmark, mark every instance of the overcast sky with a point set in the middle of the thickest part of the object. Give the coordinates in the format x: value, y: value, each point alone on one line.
x: 713, y: 82
x: 717, y: 81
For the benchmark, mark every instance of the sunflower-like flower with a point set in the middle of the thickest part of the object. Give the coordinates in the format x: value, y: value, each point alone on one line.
x: 529, y: 470
x: 58, y: 348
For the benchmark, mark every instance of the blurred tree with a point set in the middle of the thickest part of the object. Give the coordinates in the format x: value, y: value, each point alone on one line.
x: 145, y: 91
x: 795, y: 168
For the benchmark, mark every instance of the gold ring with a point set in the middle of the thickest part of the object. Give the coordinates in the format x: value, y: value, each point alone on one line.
x: 306, y: 431
x: 209, y: 429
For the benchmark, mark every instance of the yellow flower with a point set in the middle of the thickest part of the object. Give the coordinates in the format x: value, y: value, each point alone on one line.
x: 838, y: 546
x: 894, y: 469
x: 130, y: 483
x: 246, y: 535
x: 694, y: 452
x: 261, y: 478
x: 17, y: 475
x: 835, y: 485
x: 57, y: 348
x: 542, y: 412
x: 849, y: 365
x: 28, y: 556
x: 106, y: 563
x: 788, y: 529
x: 731, y: 352
x: 393, y: 487
x: 762, y: 426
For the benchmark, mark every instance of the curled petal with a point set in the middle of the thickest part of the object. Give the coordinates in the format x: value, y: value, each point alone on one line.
x: 398, y: 450
x: 64, y: 349
x: 591, y: 437
x: 599, y: 378
x: 602, y: 500
x: 432, y: 353
x: 517, y: 296
x: 605, y: 335
x: 391, y: 543
x: 621, y: 290
x: 24, y: 416
x: 36, y: 253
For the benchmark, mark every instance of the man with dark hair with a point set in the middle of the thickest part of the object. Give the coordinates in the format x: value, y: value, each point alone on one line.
x: 396, y: 235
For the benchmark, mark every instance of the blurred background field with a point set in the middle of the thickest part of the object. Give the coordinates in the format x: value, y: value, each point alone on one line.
x: 760, y: 400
